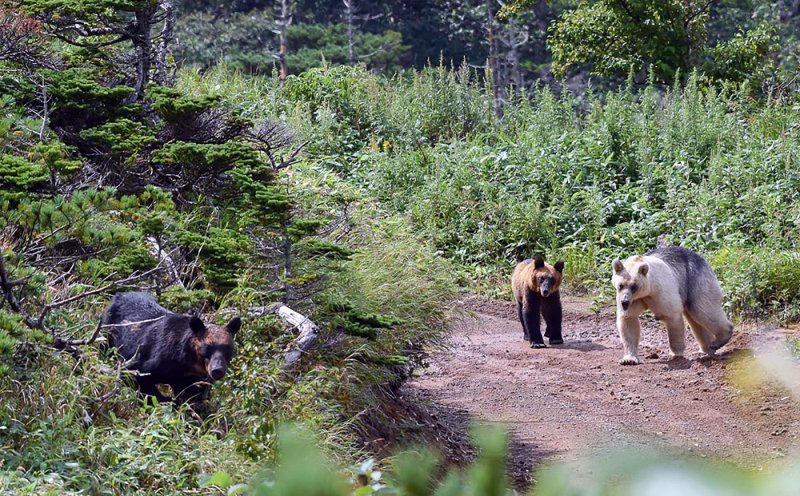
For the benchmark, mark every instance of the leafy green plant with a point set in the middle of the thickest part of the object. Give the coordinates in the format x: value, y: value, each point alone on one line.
x: 701, y: 166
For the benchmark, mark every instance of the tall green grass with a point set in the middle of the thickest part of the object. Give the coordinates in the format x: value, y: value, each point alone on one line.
x: 427, y: 185
x: 585, y: 177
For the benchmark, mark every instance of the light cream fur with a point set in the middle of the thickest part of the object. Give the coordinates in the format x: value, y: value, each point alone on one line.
x: 657, y: 290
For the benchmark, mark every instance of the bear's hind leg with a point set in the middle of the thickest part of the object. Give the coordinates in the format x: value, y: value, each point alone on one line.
x: 522, y: 321
x: 720, y: 327
x: 722, y: 336
x: 713, y: 331
x: 701, y: 334
x: 676, y: 331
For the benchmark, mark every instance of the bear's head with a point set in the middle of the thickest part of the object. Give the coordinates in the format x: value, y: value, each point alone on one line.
x: 630, y: 281
x: 213, y: 346
x: 546, y: 278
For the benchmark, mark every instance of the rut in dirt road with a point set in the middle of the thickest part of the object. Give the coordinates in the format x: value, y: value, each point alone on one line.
x: 574, y: 399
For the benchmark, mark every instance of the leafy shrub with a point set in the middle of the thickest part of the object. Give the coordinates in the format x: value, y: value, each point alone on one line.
x: 760, y: 282
x: 705, y: 168
x: 302, y: 469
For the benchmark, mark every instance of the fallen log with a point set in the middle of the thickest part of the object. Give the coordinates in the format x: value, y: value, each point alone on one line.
x: 309, y: 332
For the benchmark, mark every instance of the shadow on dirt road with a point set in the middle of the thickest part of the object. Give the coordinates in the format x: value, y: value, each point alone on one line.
x: 566, y: 401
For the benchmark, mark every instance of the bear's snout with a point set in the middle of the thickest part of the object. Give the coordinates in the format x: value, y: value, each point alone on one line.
x: 218, y: 373
x: 625, y: 304
x: 217, y: 368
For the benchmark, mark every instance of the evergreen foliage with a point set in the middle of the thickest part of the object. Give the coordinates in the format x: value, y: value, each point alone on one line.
x: 19, y: 176
x: 110, y: 184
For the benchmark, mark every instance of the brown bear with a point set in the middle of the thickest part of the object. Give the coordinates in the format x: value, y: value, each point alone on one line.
x: 168, y: 348
x: 535, y: 286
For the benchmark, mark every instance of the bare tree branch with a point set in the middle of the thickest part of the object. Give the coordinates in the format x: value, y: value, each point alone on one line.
x: 7, y: 287
x: 100, y: 326
x: 22, y: 40
x: 121, y: 366
x: 60, y: 303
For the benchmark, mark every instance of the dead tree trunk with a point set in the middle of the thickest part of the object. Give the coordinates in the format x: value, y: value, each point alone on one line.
x: 309, y: 332
x: 167, y: 33
x: 515, y: 39
x: 283, y: 27
x: 513, y: 55
x: 490, y: 31
x: 349, y: 18
x: 143, y: 47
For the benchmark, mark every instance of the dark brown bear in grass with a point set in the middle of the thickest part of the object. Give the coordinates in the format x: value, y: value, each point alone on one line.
x: 169, y: 348
x: 535, y: 285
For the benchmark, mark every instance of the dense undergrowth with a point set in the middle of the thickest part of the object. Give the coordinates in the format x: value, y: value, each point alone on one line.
x: 585, y: 178
x: 419, y: 184
x: 422, y: 185
x: 109, y: 182
x: 59, y: 432
x: 360, y: 200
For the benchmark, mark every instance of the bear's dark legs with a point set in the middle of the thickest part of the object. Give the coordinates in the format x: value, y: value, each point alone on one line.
x: 552, y: 313
x: 148, y: 388
x: 191, y: 390
x: 531, y: 319
x: 522, y: 321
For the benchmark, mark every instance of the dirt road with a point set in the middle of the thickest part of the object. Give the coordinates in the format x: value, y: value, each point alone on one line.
x: 566, y: 401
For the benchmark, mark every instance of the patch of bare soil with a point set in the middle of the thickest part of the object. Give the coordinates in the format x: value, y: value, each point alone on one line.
x: 574, y: 399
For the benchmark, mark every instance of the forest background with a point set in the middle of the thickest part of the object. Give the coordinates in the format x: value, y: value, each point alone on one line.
x: 363, y: 163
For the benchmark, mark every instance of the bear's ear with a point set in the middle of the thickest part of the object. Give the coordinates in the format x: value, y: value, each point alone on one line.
x: 538, y: 262
x: 618, y: 267
x: 234, y: 325
x: 196, y: 325
x: 559, y: 266
x: 643, y: 269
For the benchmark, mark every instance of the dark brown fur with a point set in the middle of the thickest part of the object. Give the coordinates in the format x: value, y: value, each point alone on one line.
x: 168, y: 348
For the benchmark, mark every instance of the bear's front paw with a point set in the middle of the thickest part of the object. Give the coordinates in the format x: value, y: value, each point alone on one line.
x: 629, y: 360
x: 556, y: 341
x: 538, y: 345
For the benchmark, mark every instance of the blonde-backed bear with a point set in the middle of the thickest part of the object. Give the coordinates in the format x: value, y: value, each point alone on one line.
x: 535, y: 285
x: 673, y: 283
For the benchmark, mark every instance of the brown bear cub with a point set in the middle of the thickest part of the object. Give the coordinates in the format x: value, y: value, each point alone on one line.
x: 535, y: 285
x: 168, y: 348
